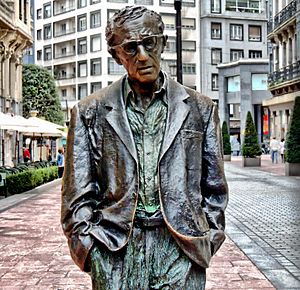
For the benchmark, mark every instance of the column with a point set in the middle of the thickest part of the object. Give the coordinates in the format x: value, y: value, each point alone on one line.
x: 6, y: 74
x: 12, y: 76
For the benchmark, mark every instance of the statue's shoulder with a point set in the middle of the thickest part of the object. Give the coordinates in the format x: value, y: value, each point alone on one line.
x: 99, y: 99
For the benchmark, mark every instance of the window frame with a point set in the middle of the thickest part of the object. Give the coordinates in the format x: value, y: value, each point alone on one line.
x: 260, y: 33
x: 214, y: 49
x: 212, y: 4
x: 235, y: 51
x: 92, y: 14
x: 216, y: 87
x: 230, y: 31
x: 211, y: 30
x: 79, y: 17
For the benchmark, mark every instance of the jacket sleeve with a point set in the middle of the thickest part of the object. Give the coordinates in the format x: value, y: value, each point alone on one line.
x: 79, y: 191
x: 213, y: 184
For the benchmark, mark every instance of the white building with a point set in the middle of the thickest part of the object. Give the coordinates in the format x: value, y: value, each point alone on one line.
x: 70, y: 41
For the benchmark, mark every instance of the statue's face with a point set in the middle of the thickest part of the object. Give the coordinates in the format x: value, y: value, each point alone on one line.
x: 139, y: 47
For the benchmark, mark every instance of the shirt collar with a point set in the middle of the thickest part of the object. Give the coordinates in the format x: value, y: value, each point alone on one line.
x: 160, y: 93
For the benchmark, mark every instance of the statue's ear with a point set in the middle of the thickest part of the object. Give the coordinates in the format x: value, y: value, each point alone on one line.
x: 114, y: 55
x: 165, y: 39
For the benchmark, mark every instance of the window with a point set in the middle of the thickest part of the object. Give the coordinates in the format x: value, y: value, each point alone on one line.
x: 95, y: 1
x: 47, y: 10
x: 236, y: 32
x: 255, y: 54
x: 143, y: 2
x: 189, y: 68
x: 259, y: 82
x: 81, y: 22
x: 82, y: 91
x: 214, y: 82
x: 114, y: 68
x: 169, y: 21
x: 47, y: 53
x: 82, y: 69
x: 171, y: 45
x: 82, y: 45
x: 39, y: 55
x: 215, y: 6
x: 254, y: 33
x: 95, y: 19
x: 236, y: 54
x: 184, y: 2
x: 64, y: 93
x: 188, y: 23
x: 216, y: 55
x: 63, y: 28
x: 47, y: 31
x: 249, y: 6
x: 82, y: 3
x: 188, y: 45
x: 95, y: 67
x: 95, y: 87
x: 216, y: 30
x: 111, y: 12
x: 95, y: 42
x: 39, y: 34
x: 233, y: 84
x: 39, y: 13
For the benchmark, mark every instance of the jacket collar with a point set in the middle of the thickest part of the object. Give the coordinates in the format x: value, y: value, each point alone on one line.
x: 117, y: 117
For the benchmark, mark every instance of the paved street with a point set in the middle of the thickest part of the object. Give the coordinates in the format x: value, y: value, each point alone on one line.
x: 263, y: 219
x: 262, y: 216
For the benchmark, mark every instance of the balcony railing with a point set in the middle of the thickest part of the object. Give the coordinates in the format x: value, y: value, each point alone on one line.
x: 64, y: 54
x: 64, y: 32
x: 63, y: 9
x: 285, y: 14
x: 64, y: 76
x: 288, y: 73
x: 7, y: 12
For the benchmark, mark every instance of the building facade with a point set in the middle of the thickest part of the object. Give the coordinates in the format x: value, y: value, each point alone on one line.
x: 242, y: 88
x: 70, y: 42
x: 230, y: 30
x: 284, y: 77
x: 15, y: 36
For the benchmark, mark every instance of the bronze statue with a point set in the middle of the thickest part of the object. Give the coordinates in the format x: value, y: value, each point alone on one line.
x: 144, y: 190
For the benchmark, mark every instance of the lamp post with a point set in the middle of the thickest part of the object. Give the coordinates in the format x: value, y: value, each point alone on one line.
x: 177, y: 6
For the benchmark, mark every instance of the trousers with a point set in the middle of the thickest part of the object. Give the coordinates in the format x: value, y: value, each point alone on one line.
x: 151, y: 260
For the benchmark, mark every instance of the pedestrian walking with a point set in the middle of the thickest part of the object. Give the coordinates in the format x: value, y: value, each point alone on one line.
x: 275, y: 147
x: 60, y: 162
x: 26, y: 155
x: 282, y: 149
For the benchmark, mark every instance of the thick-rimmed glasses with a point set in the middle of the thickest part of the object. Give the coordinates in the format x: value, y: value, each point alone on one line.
x: 148, y: 42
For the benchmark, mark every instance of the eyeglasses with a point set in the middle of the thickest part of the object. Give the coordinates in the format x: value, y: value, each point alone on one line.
x: 148, y: 42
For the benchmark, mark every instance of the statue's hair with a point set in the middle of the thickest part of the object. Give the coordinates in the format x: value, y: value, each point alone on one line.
x: 129, y: 13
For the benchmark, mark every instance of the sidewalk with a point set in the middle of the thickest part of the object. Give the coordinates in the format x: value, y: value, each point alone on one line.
x: 34, y: 253
x: 266, y: 164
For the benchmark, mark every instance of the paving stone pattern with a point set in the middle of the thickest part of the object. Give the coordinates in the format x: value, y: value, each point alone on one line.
x: 263, y: 220
x: 34, y: 253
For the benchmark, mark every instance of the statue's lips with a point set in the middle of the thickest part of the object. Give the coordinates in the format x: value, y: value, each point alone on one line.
x: 145, y: 69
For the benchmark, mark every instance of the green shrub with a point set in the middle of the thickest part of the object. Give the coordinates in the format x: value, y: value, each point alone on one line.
x: 26, y: 180
x: 250, y: 146
x: 226, y: 139
x: 292, y: 145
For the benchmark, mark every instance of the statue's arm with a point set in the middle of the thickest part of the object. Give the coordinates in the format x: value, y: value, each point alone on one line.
x: 213, y: 184
x: 79, y: 191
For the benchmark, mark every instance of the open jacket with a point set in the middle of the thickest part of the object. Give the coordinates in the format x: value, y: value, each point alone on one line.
x: 101, y: 183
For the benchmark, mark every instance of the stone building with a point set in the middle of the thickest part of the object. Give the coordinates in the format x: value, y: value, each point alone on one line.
x: 284, y: 77
x: 15, y: 36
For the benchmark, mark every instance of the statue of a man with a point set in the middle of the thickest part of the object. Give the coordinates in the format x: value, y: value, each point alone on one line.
x: 144, y: 190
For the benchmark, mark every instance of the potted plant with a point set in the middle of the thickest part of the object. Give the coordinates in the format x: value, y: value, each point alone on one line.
x: 251, y: 150
x: 226, y: 142
x: 292, y: 145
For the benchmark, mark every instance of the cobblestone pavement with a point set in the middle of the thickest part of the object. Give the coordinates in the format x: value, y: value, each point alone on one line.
x: 263, y: 219
x: 34, y: 253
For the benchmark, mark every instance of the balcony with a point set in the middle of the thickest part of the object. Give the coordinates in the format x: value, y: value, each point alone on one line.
x: 287, y: 74
x: 7, y: 13
x: 64, y: 32
x: 284, y: 15
x: 60, y: 9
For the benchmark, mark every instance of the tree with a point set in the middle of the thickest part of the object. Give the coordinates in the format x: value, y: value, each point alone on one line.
x: 226, y: 139
x: 292, y: 144
x: 250, y: 146
x: 39, y: 93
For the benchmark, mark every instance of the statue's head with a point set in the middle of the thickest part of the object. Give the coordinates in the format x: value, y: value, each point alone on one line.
x: 135, y: 39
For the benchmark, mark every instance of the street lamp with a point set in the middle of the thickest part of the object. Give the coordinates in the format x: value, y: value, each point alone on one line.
x: 177, y: 6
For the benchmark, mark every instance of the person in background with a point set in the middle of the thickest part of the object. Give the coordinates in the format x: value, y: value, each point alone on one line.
x: 60, y: 162
x: 26, y: 155
x: 282, y: 149
x: 275, y: 146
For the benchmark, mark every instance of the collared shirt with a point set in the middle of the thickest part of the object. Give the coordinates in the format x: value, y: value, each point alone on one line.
x: 148, y: 127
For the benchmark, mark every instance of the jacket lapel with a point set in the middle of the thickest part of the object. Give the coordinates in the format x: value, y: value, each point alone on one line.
x: 117, y: 117
x: 177, y: 113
